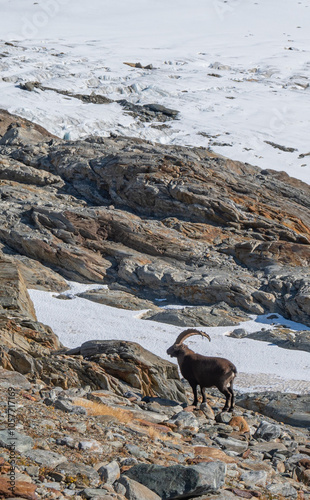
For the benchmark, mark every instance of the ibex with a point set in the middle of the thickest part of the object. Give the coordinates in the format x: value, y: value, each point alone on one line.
x: 204, y: 371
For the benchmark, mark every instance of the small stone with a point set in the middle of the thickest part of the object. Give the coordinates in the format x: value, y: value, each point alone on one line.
x: 232, y: 444
x: 254, y: 478
x: 184, y: 421
x: 109, y: 473
x: 90, y: 445
x: 267, y: 431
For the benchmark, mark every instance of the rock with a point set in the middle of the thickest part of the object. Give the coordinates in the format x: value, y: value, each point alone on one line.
x: 109, y: 473
x: 96, y: 493
x: 76, y: 472
x: 68, y: 407
x: 91, y: 445
x: 254, y: 478
x: 267, y: 431
x: 284, y: 489
x: 232, y: 444
x: 14, y: 380
x: 169, y: 240
x: 178, y: 481
x: 213, y: 454
x: 291, y: 409
x: 45, y: 458
x: 22, y: 489
x: 117, y: 298
x: 218, y: 315
x: 19, y: 442
x: 184, y: 421
x: 136, y: 366
x: 136, y: 491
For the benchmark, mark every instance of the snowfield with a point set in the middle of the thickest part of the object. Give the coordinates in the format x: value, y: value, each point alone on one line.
x: 238, y: 71
x: 261, y: 366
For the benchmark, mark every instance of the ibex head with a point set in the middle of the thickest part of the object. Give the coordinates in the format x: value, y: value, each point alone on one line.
x: 178, y: 346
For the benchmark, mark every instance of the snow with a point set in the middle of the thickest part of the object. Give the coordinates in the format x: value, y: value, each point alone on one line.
x: 261, y: 366
x: 237, y: 70
x: 259, y: 50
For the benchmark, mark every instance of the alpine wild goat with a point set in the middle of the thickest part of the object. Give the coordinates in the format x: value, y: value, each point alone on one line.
x: 205, y: 371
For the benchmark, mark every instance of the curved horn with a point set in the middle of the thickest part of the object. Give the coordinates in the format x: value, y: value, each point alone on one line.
x: 188, y: 333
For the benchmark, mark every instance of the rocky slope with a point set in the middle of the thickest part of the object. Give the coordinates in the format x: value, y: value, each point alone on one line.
x: 107, y: 420
x: 160, y: 221
x: 80, y: 443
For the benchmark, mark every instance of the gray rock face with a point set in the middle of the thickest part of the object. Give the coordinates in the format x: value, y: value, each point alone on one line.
x: 178, y: 481
x: 161, y: 221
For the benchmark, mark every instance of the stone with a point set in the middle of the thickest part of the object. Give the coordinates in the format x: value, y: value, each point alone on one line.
x: 45, y: 458
x: 136, y: 366
x: 96, y: 493
x: 76, y: 472
x: 21, y: 489
x: 12, y: 439
x: 170, y: 241
x: 14, y: 380
x: 292, y: 409
x: 254, y: 478
x: 184, y: 421
x: 176, y: 481
x: 109, y: 473
x: 232, y: 444
x: 267, y: 431
x: 136, y: 491
x: 286, y: 490
x: 68, y: 407
x: 91, y: 445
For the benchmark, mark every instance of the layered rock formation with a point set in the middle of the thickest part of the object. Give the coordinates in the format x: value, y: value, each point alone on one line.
x: 161, y: 221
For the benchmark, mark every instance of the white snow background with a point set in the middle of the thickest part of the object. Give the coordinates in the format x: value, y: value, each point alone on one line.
x: 260, y: 52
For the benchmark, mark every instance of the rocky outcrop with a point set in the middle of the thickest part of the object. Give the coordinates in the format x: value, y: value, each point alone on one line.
x: 281, y: 336
x: 163, y: 222
x: 136, y: 366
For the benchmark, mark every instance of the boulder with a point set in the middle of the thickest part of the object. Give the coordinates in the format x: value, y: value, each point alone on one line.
x: 178, y: 481
x: 136, y: 366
